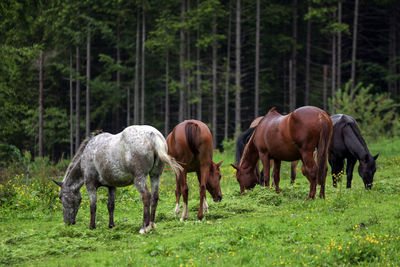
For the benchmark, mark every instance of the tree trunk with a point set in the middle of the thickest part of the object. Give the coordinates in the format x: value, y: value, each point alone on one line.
x: 188, y: 72
x: 285, y: 86
x: 198, y: 76
x: 41, y: 62
x: 290, y: 85
x: 181, y: 66
x: 143, y: 65
x: 354, y: 47
x: 325, y: 87
x: 238, y: 71
x: 71, y: 108
x: 166, y: 129
x: 77, y: 100
x: 118, y: 78
x: 88, y: 82
x: 293, y: 92
x: 214, y: 81
x: 257, y: 61
x: 339, y: 48
x: 333, y: 77
x: 392, y: 83
x: 136, y: 94
x: 228, y: 75
x: 308, y: 57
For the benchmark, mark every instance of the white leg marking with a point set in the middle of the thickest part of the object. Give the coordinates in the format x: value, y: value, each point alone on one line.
x: 177, y: 209
x: 153, y: 225
x: 205, y: 205
x: 184, y: 212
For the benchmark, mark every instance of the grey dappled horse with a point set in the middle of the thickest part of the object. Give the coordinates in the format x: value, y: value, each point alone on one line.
x: 115, y: 161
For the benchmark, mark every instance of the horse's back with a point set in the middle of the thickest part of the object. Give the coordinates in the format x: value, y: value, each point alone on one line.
x: 186, y: 148
x: 117, y: 157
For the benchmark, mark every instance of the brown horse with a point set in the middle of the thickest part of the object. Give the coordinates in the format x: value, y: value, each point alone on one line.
x: 241, y: 142
x: 191, y: 144
x: 289, y: 138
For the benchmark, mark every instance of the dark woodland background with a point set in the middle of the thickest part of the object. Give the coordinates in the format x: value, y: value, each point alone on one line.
x: 71, y: 67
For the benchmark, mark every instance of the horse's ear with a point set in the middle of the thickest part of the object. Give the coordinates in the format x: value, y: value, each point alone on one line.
x: 57, y: 183
x: 234, y: 167
x: 376, y: 156
x: 219, y: 163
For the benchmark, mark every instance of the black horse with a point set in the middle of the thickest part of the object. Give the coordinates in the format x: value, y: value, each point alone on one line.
x: 347, y: 143
x: 241, y: 142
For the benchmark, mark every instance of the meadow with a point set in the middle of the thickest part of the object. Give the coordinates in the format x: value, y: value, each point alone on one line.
x: 350, y: 227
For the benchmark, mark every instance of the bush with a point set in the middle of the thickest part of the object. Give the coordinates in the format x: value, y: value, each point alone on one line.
x: 375, y: 113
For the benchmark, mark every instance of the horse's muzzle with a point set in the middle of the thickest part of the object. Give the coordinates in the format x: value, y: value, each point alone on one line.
x: 368, y: 186
x: 217, y: 198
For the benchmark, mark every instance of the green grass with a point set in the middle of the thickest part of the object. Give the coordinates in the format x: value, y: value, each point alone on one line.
x: 350, y: 227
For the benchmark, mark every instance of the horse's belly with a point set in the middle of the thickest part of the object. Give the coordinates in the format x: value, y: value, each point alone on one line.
x: 119, y: 179
x: 284, y: 152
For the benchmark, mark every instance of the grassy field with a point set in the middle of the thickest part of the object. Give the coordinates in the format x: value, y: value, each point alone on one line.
x: 350, y: 227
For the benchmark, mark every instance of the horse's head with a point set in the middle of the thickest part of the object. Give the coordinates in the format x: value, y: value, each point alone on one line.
x: 212, y: 184
x: 367, y: 169
x: 71, y: 199
x: 246, y: 177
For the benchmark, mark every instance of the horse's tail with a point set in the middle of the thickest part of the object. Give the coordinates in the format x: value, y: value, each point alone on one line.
x: 161, y: 149
x: 241, y: 142
x: 323, y: 147
x: 192, y: 132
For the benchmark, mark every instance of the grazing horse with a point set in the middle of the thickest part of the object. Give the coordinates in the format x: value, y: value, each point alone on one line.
x: 291, y: 137
x: 116, y: 161
x: 347, y: 143
x: 241, y: 142
x: 190, y: 142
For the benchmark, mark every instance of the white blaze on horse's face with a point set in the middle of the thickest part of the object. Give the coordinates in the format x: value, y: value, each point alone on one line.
x: 71, y: 201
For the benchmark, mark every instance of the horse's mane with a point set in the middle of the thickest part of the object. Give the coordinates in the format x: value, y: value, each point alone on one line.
x: 273, y: 109
x: 241, y: 142
x: 75, y: 161
x: 357, y: 132
x: 247, y: 147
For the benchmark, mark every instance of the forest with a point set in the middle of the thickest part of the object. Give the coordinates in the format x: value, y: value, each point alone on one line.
x: 71, y: 67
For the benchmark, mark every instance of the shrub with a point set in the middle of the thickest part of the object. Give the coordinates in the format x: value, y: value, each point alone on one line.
x: 375, y: 113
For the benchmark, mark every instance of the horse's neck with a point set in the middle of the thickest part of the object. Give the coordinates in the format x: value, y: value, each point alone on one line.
x: 356, y: 144
x: 73, y: 177
x: 250, y: 155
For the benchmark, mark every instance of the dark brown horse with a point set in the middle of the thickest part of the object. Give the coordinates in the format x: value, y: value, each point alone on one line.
x: 191, y: 144
x: 289, y: 138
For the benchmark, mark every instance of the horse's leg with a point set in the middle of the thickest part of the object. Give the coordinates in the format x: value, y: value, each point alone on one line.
x: 204, y: 170
x: 266, y: 167
x: 141, y: 186
x: 155, y: 184
x: 277, y: 168
x: 185, y: 194
x: 293, y: 167
x: 111, y: 205
x: 92, y: 191
x: 205, y: 204
x: 311, y: 170
x: 336, y: 168
x: 177, y: 194
x: 349, y: 170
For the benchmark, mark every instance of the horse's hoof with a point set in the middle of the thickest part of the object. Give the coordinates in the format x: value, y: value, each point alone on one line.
x: 153, y: 225
x: 111, y: 226
x: 145, y: 230
x: 182, y: 219
x: 200, y: 217
x: 177, y: 210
